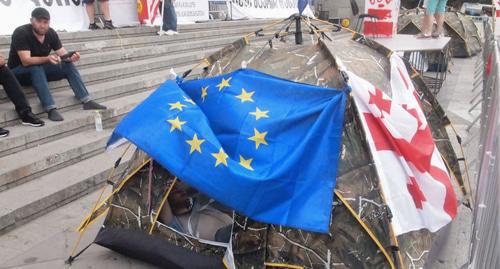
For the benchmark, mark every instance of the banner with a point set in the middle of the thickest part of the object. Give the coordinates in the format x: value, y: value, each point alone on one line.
x: 188, y: 11
x: 124, y: 12
x: 387, y: 12
x: 264, y: 9
x: 66, y: 15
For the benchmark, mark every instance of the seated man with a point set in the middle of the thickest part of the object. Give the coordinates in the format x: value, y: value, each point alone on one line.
x: 31, y: 62
x: 196, y: 215
x: 15, y: 94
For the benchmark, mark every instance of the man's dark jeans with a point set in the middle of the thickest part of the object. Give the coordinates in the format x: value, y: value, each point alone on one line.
x: 169, y: 16
x: 14, y: 91
x: 38, y: 76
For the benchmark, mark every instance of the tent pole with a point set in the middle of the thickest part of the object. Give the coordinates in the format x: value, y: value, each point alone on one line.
x: 72, y: 256
x: 298, y: 30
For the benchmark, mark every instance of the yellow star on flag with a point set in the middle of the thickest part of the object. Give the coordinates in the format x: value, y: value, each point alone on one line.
x: 246, y: 163
x: 258, y: 138
x: 176, y: 105
x: 204, y: 93
x: 224, y: 83
x: 220, y: 157
x: 260, y: 114
x: 176, y: 124
x: 245, y: 96
x: 195, y: 144
x: 188, y: 100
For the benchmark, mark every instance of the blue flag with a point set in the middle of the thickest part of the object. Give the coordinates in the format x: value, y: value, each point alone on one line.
x: 264, y: 146
x: 302, y: 4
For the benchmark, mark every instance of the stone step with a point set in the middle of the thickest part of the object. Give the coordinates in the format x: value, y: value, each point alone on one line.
x: 76, y: 121
x: 120, y: 33
x: 27, y: 201
x: 148, y: 40
x: 155, y: 50
x: 109, y: 88
x: 35, y: 162
x: 161, y: 57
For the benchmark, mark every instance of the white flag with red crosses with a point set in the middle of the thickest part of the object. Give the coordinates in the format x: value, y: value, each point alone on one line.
x: 412, y: 173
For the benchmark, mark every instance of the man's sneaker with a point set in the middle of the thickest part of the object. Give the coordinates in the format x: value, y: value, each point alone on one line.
x: 109, y: 25
x: 94, y: 26
x: 31, y: 120
x: 171, y: 32
x: 91, y: 105
x: 3, y: 132
x: 54, y: 115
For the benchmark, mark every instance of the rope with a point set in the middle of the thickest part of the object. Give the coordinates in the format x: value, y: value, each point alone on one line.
x: 110, y: 175
x: 161, y: 205
x: 367, y: 230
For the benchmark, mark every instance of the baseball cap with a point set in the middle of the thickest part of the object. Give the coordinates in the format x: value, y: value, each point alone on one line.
x: 40, y: 13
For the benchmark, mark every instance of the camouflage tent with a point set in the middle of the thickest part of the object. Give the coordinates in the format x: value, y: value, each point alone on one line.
x: 360, y: 233
x: 465, y: 39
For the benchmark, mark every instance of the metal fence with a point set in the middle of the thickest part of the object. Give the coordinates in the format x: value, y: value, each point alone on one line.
x: 485, y: 245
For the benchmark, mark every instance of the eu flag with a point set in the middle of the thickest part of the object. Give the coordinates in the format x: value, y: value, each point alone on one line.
x: 265, y: 146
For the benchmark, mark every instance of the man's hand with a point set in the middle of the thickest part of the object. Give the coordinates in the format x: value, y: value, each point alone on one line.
x: 2, y: 61
x: 53, y: 59
x: 75, y: 57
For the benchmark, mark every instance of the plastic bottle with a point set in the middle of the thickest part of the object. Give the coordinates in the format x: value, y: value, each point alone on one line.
x: 98, y: 121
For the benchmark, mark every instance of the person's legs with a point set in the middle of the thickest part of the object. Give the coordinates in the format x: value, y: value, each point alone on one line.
x: 164, y: 26
x: 15, y: 94
x: 439, y: 15
x: 105, y: 9
x: 428, y: 18
x: 169, y: 16
x: 89, y: 6
x: 35, y: 76
x: 108, y: 24
x: 172, y: 16
x: 68, y: 71
x: 13, y: 90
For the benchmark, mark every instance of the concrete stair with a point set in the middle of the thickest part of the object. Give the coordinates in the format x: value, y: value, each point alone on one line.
x: 44, y: 168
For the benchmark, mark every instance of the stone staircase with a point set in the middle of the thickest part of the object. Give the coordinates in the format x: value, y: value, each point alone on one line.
x: 44, y: 168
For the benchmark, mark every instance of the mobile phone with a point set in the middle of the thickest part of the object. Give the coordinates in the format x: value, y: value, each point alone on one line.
x: 67, y: 57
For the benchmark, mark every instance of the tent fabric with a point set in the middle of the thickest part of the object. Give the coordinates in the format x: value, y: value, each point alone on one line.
x: 347, y: 244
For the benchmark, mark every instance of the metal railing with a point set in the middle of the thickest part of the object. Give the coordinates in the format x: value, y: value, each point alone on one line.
x: 485, y: 243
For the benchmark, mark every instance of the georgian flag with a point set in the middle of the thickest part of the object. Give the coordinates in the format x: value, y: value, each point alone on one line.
x: 412, y: 174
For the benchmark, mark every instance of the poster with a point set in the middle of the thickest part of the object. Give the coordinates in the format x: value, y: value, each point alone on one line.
x: 387, y: 12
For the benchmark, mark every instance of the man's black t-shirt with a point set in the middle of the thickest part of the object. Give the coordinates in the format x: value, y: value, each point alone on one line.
x: 23, y: 38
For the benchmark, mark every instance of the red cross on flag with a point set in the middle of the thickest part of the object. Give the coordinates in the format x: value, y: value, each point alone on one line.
x: 412, y: 174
